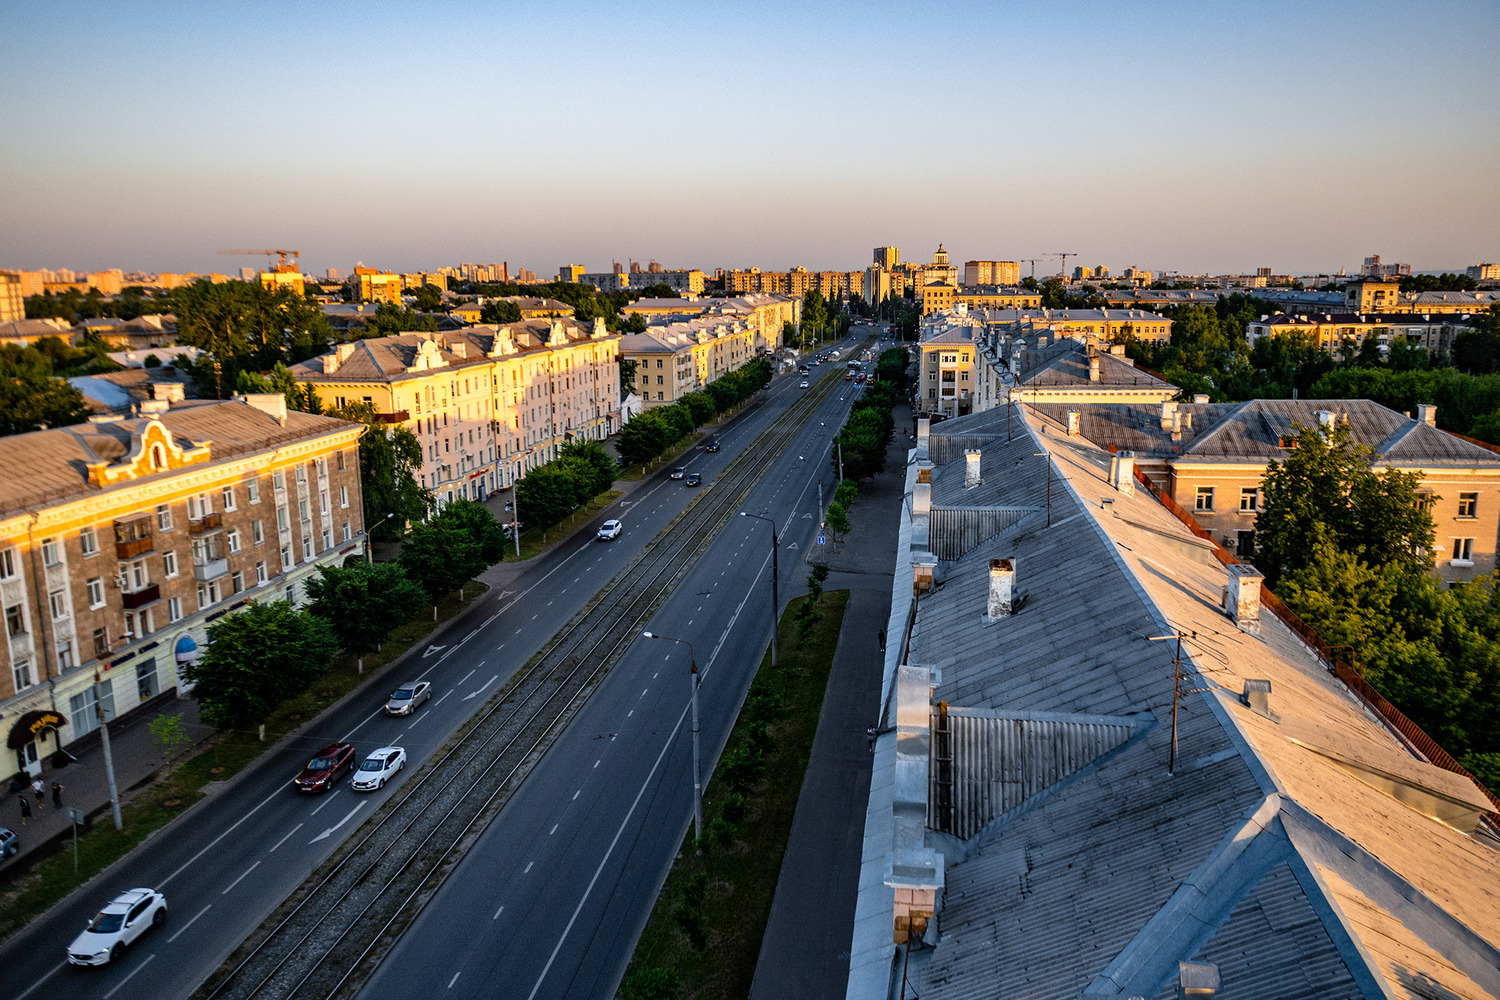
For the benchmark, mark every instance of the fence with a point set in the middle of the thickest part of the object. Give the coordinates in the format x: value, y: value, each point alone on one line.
x: 1408, y: 731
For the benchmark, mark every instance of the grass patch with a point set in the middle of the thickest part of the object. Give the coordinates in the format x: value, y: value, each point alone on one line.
x: 224, y: 755
x: 535, y: 541
x: 704, y: 934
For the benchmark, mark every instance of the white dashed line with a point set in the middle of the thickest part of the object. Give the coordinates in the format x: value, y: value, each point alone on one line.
x: 241, y: 878
x: 185, y: 926
x: 528, y: 867
x: 576, y: 794
x: 453, y: 980
x: 553, y: 830
x: 271, y: 851
x: 497, y: 913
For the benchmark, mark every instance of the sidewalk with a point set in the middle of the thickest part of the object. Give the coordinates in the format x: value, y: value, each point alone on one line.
x: 84, y: 784
x: 805, y: 951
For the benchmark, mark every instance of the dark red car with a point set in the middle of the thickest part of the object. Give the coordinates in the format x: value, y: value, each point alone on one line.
x: 331, y: 763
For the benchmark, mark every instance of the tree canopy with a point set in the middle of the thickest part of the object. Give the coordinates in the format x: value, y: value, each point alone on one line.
x: 363, y: 602
x: 256, y: 659
x: 388, y: 459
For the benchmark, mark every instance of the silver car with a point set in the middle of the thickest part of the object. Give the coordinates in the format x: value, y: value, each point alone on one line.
x: 405, y: 699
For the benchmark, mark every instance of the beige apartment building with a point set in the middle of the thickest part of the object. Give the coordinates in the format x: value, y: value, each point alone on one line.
x: 996, y: 297
x: 1334, y: 332
x: 679, y: 358
x: 992, y: 272
x: 937, y: 296
x: 767, y: 314
x: 123, y: 538
x: 487, y: 403
x: 12, y: 301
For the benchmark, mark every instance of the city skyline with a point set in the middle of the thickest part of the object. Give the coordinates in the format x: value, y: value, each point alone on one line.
x: 1171, y: 137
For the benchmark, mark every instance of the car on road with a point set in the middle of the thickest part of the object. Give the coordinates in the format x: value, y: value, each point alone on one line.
x: 804, y: 383
x: 327, y: 766
x: 406, y: 698
x: 378, y: 768
x: 114, y: 928
x: 711, y: 444
x: 678, y: 472
x: 693, y: 479
x: 609, y: 530
x: 9, y: 843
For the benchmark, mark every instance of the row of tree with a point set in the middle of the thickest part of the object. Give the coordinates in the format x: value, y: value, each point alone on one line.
x: 1350, y: 551
x: 650, y: 433
x: 269, y: 652
x: 550, y: 492
x: 867, y: 433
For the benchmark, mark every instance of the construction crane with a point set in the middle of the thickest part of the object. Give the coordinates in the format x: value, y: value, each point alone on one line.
x: 282, y: 267
x: 1032, y: 261
x: 1062, y: 271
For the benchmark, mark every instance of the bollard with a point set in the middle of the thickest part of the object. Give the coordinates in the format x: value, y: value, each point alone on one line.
x: 262, y: 732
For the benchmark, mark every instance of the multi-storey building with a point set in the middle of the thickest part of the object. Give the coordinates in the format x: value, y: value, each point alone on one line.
x: 1342, y: 334
x: 1483, y: 272
x: 992, y: 272
x: 487, y: 403
x: 372, y: 285
x: 12, y: 302
x: 290, y: 278
x: 766, y: 313
x: 996, y: 297
x: 684, y: 357
x: 570, y: 273
x: 887, y: 258
x: 123, y: 538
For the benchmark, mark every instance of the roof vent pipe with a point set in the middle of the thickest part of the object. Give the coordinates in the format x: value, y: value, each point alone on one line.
x: 1002, y: 588
x: 1257, y: 697
x: 1093, y: 367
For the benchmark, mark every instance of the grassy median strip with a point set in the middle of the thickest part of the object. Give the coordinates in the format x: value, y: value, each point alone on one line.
x: 703, y: 937
x: 223, y: 755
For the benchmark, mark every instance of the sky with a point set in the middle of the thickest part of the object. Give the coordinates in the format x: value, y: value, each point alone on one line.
x: 1192, y: 137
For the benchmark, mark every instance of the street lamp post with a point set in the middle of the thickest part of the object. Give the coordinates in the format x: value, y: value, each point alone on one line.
x: 109, y: 759
x: 775, y: 595
x: 370, y: 538
x: 697, y: 772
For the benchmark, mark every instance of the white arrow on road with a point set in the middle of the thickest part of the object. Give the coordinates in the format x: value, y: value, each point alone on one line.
x: 792, y: 546
x: 433, y: 650
x: 329, y: 832
x: 504, y: 594
x: 476, y: 694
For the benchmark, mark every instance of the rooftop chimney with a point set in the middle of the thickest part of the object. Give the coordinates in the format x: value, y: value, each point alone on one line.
x: 1427, y: 414
x: 271, y: 403
x: 1200, y: 398
x: 1168, y: 407
x: 1257, y: 697
x: 1122, y: 472
x: 1177, y: 424
x: 1093, y: 367
x: 924, y: 429
x: 1002, y: 588
x: 971, y: 469
x: 1197, y: 980
x: 1118, y: 350
x: 1327, y: 419
x: 1072, y: 423
x: 1242, y: 595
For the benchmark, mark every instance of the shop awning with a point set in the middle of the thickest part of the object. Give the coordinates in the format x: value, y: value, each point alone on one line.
x: 30, y: 725
x: 186, y: 650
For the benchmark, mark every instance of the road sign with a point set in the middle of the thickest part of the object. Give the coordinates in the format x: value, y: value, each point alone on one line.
x: 821, y: 540
x: 76, y: 815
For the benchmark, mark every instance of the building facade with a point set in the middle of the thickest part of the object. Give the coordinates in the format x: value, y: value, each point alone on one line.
x: 992, y: 272
x: 679, y: 358
x: 123, y: 538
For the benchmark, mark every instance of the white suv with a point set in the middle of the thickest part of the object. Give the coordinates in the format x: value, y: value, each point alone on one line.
x: 116, y: 926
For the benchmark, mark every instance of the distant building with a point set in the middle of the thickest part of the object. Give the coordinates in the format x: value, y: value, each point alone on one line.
x: 570, y: 273
x: 992, y: 272
x: 373, y: 285
x: 887, y: 258
x: 1342, y: 333
x: 1483, y: 272
x: 1373, y: 268
x: 12, y: 301
x: 996, y: 297
x: 679, y: 358
x: 276, y: 279
x: 1373, y: 295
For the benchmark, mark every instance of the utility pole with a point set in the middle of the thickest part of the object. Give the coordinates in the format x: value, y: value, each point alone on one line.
x: 697, y: 769
x: 109, y: 760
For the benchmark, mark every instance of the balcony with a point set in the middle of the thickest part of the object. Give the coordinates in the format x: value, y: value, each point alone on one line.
x: 133, y: 538
x: 399, y: 417
x: 208, y: 522
x: 140, y: 598
x: 209, y: 569
x: 134, y: 547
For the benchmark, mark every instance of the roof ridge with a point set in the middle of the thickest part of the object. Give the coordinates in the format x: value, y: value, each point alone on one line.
x: 1218, y: 427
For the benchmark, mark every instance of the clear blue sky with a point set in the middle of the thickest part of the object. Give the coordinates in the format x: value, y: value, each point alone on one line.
x: 1191, y: 136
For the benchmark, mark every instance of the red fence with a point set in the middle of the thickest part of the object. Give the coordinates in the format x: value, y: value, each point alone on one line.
x: 1416, y: 740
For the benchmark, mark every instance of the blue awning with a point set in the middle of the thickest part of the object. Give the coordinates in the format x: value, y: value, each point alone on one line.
x: 186, y: 650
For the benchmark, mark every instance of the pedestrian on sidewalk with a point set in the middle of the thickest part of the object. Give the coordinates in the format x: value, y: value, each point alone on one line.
x: 25, y: 808
x: 57, y: 790
x: 41, y: 793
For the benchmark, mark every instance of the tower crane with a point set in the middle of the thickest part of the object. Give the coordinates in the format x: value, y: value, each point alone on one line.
x: 1063, y: 268
x: 1032, y: 261
x: 282, y: 267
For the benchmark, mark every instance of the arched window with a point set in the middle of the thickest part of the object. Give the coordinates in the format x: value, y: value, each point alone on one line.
x: 158, y: 457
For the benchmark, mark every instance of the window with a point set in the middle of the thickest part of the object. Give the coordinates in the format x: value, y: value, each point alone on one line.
x: 64, y: 655
x: 234, y: 541
x: 7, y: 563
x: 347, y: 534
x: 1204, y: 499
x: 302, y: 510
x: 174, y: 609
x: 260, y: 573
x: 278, y: 480
x: 15, y: 620
x: 145, y: 679
x: 340, y: 465
x: 253, y: 489
x: 169, y: 564
x: 84, y: 706
x: 50, y: 555
x: 236, y: 582
x: 163, y: 517
x: 343, y: 496
x: 257, y: 532
x: 20, y: 672
x: 1249, y: 500
x: 323, y: 502
x: 301, y: 475
x: 1463, y: 551
x: 140, y: 577
x: 101, y: 642
x: 88, y: 542
x: 57, y: 603
x: 327, y: 538
x: 96, y: 592
x: 1468, y: 504
x: 286, y: 557
x: 281, y: 519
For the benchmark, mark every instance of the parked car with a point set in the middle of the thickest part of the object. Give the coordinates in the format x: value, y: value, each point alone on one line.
x: 406, y: 698
x: 329, y: 765
x: 378, y: 768
x: 9, y: 843
x: 609, y: 530
x: 693, y: 479
x: 679, y: 472
x: 711, y: 445
x: 114, y: 928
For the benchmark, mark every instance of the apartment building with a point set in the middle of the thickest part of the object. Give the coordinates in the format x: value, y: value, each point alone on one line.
x: 123, y: 538
x: 487, y: 403
x: 937, y: 296
x: 797, y: 282
x: 12, y: 301
x: 992, y: 272
x: 372, y: 285
x: 290, y: 279
x: 886, y: 258
x: 679, y: 358
x: 1344, y: 333
x: 996, y: 297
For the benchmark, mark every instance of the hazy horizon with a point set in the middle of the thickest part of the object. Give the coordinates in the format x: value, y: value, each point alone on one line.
x: 1170, y: 136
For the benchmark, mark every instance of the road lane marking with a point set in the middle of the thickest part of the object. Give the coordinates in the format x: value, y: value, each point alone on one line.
x: 347, y: 817
x: 443, y: 698
x: 553, y: 830
x: 414, y: 723
x: 121, y: 983
x: 497, y: 913
x: 629, y: 713
x: 190, y: 923
x: 454, y: 979
x: 326, y: 799
x: 240, y: 879
x: 598, y: 762
x: 464, y: 678
x: 575, y: 795
x: 528, y: 867
x: 480, y: 690
x: 283, y: 839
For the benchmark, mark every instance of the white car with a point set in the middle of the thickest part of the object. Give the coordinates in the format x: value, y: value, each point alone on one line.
x: 378, y: 768
x: 804, y: 383
x: 609, y: 530
x: 116, y: 926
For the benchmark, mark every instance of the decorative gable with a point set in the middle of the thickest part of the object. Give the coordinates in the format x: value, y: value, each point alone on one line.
x: 153, y: 450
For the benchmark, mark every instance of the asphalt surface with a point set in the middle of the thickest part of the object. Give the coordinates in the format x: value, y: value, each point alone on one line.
x: 552, y: 897
x: 227, y: 863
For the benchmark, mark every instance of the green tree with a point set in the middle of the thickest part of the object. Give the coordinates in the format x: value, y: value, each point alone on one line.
x: 646, y: 436
x: 256, y: 659
x: 299, y: 396
x: 628, y: 369
x: 700, y: 406
x: 363, y: 602
x: 31, y: 400
x: 388, y: 460
x: 429, y: 298
x: 243, y: 325
x: 551, y: 492
x: 389, y: 320
x: 441, y: 556
x: 480, y: 525
x: 838, y: 519
x: 170, y: 737
x: 500, y: 311
x: 814, y: 315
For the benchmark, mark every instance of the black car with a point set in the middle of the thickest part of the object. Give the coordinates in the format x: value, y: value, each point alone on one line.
x: 693, y: 479
x: 711, y: 445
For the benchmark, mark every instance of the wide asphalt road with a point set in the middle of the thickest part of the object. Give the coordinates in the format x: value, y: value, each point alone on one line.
x: 550, y: 900
x: 227, y: 863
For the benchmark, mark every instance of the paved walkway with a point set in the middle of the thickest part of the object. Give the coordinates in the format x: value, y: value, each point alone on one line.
x: 84, y: 784
x: 805, y: 952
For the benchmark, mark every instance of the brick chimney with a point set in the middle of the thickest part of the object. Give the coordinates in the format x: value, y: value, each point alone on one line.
x: 1093, y: 366
x: 1427, y: 414
x: 971, y: 469
x: 1242, y: 596
x: 1122, y: 472
x: 1168, y: 407
x: 1073, y: 423
x: 1002, y: 588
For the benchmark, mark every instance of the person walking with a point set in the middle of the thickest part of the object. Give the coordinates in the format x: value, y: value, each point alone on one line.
x: 41, y: 793
x: 25, y: 808
x: 57, y: 790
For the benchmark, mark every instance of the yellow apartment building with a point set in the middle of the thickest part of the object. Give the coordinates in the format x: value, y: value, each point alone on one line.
x: 679, y: 358
x: 372, y: 285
